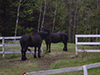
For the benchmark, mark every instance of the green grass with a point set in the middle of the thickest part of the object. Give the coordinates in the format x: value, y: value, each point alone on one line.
x: 12, y: 64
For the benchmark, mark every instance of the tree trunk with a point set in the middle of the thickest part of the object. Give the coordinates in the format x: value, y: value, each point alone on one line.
x: 97, y: 21
x: 43, y: 15
x: 97, y: 4
x: 39, y: 18
x: 17, y: 17
x: 70, y: 21
x: 75, y: 20
x: 91, y: 33
x: 54, y: 17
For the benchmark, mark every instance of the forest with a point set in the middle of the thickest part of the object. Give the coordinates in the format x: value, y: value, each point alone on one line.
x: 19, y: 17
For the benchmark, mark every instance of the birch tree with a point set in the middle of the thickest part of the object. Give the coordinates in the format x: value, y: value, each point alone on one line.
x: 97, y: 10
x: 75, y: 19
x: 70, y: 20
x: 54, y: 17
x: 44, y: 14
x: 39, y: 17
x: 17, y: 17
x: 97, y: 30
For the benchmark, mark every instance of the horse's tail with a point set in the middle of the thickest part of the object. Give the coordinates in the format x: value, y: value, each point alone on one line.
x: 21, y: 42
x: 66, y: 37
x: 29, y: 50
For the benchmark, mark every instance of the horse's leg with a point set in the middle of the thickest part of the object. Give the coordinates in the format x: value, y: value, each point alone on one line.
x: 65, y: 47
x: 23, y: 57
x: 35, y: 53
x: 48, y: 44
x: 65, y: 40
x: 39, y: 52
x: 23, y: 51
x: 29, y: 50
x: 49, y: 47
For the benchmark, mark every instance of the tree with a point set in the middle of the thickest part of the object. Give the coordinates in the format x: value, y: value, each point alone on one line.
x: 44, y: 14
x: 54, y: 17
x: 75, y: 20
x: 17, y: 17
x: 70, y: 16
x: 39, y: 17
x: 70, y: 19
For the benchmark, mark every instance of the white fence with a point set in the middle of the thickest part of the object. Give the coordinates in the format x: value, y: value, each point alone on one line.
x: 85, y: 43
x: 64, y: 70
x: 3, y: 45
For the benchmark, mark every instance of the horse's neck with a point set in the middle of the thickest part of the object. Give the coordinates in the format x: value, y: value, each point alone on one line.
x: 43, y: 34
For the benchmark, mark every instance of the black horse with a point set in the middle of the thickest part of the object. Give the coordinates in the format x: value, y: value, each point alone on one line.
x: 34, y: 40
x: 55, y: 38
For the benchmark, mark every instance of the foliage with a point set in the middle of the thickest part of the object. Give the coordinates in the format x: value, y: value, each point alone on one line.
x: 72, y: 16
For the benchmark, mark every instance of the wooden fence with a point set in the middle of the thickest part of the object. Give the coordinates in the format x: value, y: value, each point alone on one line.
x: 85, y: 43
x: 3, y: 45
x: 64, y: 70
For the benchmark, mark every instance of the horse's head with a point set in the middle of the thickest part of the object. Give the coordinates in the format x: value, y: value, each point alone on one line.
x: 43, y: 34
x: 45, y: 29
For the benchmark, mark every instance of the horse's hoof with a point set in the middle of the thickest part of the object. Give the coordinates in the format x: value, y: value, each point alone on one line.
x: 64, y: 49
x: 49, y: 51
x: 24, y: 59
x: 39, y: 56
x: 35, y: 57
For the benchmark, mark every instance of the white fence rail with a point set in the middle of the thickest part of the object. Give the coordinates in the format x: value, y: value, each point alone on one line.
x: 85, y: 43
x: 64, y: 70
x: 3, y: 45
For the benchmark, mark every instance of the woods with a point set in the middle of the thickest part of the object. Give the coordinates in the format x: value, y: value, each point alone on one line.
x: 70, y: 16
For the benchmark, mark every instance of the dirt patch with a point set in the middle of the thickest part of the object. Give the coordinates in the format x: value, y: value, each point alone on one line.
x: 60, y: 53
x: 44, y: 62
x: 9, y: 63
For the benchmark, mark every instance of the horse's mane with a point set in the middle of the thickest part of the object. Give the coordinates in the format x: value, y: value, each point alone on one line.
x: 36, y: 33
x: 45, y: 29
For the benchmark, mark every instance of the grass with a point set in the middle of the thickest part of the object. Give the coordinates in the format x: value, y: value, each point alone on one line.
x: 12, y: 64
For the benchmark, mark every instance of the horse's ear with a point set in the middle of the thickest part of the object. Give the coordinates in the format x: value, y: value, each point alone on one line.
x: 45, y: 29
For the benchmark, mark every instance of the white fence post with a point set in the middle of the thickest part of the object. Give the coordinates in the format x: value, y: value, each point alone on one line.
x: 3, y: 47
x: 41, y: 49
x: 64, y: 70
x: 76, y: 40
x: 85, y: 70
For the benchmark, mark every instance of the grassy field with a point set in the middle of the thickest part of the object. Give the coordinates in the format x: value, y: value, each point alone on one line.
x: 12, y: 64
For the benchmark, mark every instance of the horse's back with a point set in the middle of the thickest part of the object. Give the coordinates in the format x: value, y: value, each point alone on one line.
x: 36, y: 40
x: 30, y: 40
x: 24, y: 39
x: 55, y: 37
x: 62, y: 33
x: 64, y: 36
